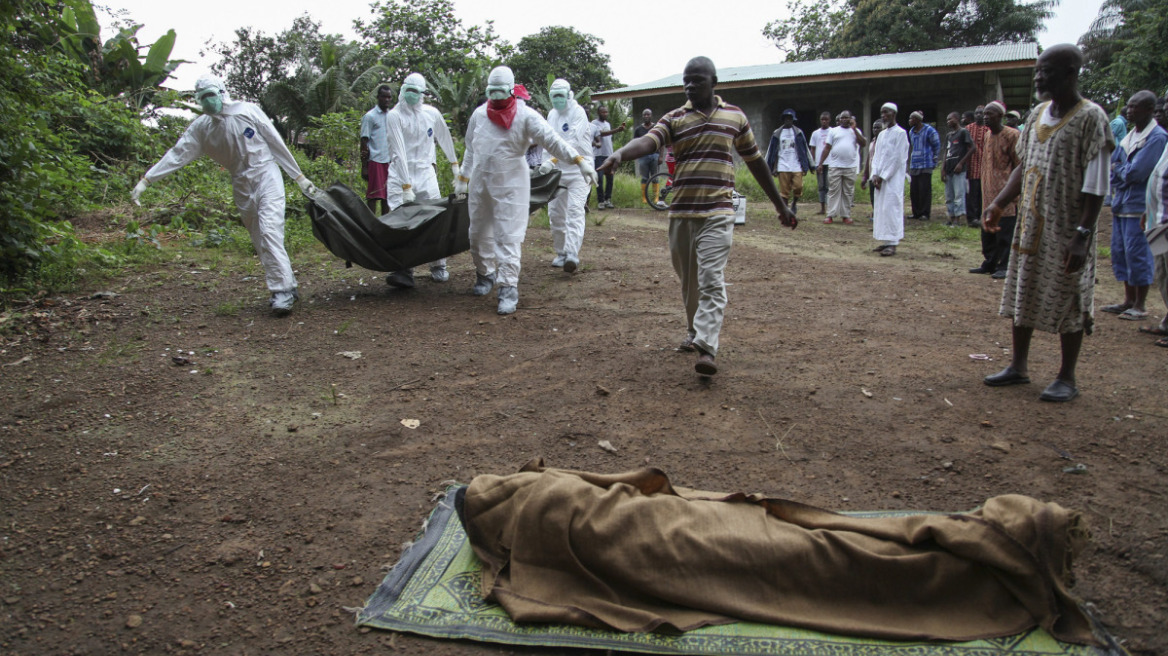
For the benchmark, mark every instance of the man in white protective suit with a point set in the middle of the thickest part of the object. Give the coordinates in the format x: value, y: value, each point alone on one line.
x: 418, y: 125
x: 566, y: 211
x: 241, y: 139
x: 497, y: 181
x: 889, y: 162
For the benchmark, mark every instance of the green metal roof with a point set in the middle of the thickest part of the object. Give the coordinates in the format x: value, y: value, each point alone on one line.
x: 1024, y: 54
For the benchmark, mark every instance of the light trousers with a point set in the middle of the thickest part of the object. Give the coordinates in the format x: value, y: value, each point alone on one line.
x: 841, y: 188
x: 700, y: 249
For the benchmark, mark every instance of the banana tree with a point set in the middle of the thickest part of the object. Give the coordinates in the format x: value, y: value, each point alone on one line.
x: 117, y: 67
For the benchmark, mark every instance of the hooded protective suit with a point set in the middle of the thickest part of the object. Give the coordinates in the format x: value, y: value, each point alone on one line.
x: 499, y: 182
x: 566, y: 211
x: 242, y: 139
x: 418, y: 125
x: 414, y: 128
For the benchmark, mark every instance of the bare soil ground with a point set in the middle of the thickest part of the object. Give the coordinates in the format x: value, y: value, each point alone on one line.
x: 237, y: 500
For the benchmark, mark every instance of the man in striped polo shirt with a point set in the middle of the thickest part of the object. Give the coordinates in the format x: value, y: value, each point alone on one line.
x: 704, y: 134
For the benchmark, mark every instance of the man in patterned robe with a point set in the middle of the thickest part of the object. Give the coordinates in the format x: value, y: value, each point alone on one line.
x: 1062, y: 177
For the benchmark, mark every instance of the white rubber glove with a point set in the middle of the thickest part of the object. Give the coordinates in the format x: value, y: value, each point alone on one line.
x: 546, y: 167
x: 460, y: 185
x: 455, y: 171
x: 587, y: 170
x: 408, y: 195
x: 306, y: 186
x: 138, y: 189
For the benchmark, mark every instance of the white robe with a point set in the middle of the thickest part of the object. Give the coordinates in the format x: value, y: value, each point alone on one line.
x: 889, y: 162
x: 500, y: 186
x: 242, y: 139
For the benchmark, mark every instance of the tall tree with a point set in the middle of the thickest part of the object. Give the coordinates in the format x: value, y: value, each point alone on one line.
x: 334, y: 80
x: 562, y: 52
x: 425, y: 36
x: 852, y: 28
x: 1124, y: 48
x: 254, y: 61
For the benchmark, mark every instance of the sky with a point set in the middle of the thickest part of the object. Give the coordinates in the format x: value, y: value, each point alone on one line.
x: 644, y: 44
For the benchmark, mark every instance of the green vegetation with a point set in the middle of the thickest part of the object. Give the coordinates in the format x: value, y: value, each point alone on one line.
x: 852, y: 28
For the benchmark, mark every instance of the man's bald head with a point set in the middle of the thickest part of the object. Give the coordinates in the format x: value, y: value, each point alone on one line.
x: 1064, y: 54
x: 1143, y: 99
x: 701, y: 64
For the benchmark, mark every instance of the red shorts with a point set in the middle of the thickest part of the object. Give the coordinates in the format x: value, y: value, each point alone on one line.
x: 378, y: 176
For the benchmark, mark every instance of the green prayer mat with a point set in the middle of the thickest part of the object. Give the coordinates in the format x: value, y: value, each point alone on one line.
x: 434, y: 591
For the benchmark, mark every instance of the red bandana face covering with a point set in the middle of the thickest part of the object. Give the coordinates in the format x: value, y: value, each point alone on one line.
x: 502, y: 112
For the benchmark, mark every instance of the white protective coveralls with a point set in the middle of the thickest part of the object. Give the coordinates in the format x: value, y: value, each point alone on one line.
x: 566, y: 211
x: 242, y: 139
x: 419, y: 126
x: 415, y: 129
x: 499, y: 183
x: 889, y: 161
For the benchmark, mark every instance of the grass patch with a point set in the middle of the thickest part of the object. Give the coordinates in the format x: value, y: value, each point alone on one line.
x: 228, y: 309
x: 118, y: 351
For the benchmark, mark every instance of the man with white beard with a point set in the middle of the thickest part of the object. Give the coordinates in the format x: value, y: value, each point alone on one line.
x: 889, y: 161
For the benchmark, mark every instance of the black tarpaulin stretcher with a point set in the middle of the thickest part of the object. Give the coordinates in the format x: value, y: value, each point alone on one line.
x: 409, y: 236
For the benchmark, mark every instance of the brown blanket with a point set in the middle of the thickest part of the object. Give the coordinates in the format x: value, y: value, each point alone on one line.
x: 632, y: 553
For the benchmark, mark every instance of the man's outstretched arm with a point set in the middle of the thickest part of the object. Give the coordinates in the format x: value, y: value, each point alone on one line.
x: 638, y: 147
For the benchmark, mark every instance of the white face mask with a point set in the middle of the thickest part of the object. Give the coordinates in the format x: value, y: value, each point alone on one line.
x: 411, y: 96
x: 559, y: 102
x: 211, y: 101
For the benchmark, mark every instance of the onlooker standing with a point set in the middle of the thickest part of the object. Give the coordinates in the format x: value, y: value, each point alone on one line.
x: 841, y: 157
x: 958, y: 151
x: 375, y: 150
x: 1062, y: 176
x: 1131, y: 166
x: 978, y: 132
x: 1161, y: 113
x: 889, y: 162
x: 1156, y: 202
x: 788, y: 159
x: 817, y: 138
x: 998, y: 158
x: 877, y: 126
x: 1013, y: 120
x: 601, y: 148
x: 925, y: 148
x: 648, y: 165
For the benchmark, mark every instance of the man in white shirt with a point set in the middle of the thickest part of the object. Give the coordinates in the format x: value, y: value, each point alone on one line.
x: 602, y: 133
x: 841, y: 156
x: 816, y: 144
x: 788, y: 159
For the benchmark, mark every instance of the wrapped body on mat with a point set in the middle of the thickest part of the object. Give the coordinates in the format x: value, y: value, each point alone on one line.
x: 632, y: 553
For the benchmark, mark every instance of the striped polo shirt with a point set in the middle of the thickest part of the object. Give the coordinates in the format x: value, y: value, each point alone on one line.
x: 704, y: 178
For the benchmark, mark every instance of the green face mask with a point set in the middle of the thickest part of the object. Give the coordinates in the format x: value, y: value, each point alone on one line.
x: 559, y: 102
x: 212, y: 103
x: 411, y: 97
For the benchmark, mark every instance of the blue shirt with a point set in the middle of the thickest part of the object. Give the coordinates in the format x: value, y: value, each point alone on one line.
x: 373, y: 128
x: 1130, y: 172
x: 926, y: 147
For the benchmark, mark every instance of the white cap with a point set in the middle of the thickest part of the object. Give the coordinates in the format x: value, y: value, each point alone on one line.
x: 561, y: 85
x: 889, y: 105
x: 416, y: 81
x: 501, y: 76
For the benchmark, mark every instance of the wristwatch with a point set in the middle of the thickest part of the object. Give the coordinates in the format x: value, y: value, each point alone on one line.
x: 1084, y: 232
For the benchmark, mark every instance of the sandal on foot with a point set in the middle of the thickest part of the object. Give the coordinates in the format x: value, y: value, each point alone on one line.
x: 1154, y: 330
x: 1115, y: 308
x: 1059, y: 392
x: 1132, y: 314
x: 1163, y: 341
x: 1007, y: 376
x: 887, y: 251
